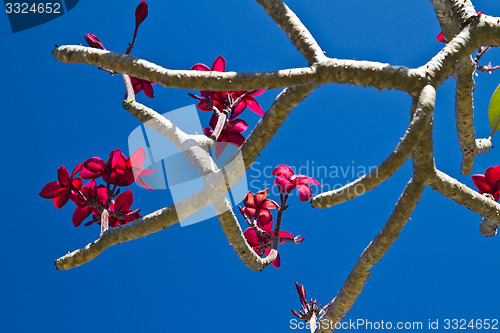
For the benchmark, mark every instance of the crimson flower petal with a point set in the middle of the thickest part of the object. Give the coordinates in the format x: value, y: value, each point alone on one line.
x: 250, y: 212
x: 95, y: 164
x: 482, y: 184
x: 208, y: 131
x: 300, y: 179
x: 269, y: 204
x: 200, y: 67
x: 51, y: 190
x: 265, y: 217
x: 492, y: 175
x: 236, y: 139
x: 77, y: 183
x: 237, y: 125
x: 147, y: 87
x: 251, y: 237
x: 80, y: 214
x: 238, y: 109
x: 440, y: 38
x: 63, y: 176
x: 219, y: 64
x: 283, y: 170
x: 61, y: 199
x: 305, y: 192
x: 124, y: 201
x: 254, y: 106
x: 260, y: 197
x: 283, y: 184
x: 249, y: 200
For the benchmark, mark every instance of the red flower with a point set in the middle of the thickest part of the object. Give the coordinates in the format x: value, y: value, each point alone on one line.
x: 257, y: 207
x: 231, y: 133
x: 119, y: 170
x: 142, y: 85
x: 60, y: 191
x: 253, y: 240
x: 141, y: 12
x: 489, y: 182
x: 223, y: 99
x: 94, y: 42
x: 119, y: 211
x: 286, y: 181
x: 440, y: 37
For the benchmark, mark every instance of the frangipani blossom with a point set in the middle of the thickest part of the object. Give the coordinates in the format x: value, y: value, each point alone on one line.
x: 60, y: 191
x: 489, y: 182
x: 286, y: 181
x: 119, y: 170
x: 257, y: 207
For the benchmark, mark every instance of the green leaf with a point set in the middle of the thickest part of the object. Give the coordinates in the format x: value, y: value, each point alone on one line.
x: 494, y: 111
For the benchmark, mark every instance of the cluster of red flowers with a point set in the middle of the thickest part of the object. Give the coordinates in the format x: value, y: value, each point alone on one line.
x: 260, y: 233
x: 141, y: 12
x: 229, y: 103
x: 99, y: 200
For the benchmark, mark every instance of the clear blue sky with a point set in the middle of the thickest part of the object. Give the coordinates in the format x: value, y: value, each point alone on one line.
x: 189, y: 278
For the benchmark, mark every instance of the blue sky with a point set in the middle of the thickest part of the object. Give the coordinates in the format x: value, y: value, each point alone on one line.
x: 189, y: 278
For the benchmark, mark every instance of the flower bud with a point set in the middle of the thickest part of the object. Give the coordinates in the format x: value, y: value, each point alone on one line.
x: 93, y: 41
x: 141, y: 12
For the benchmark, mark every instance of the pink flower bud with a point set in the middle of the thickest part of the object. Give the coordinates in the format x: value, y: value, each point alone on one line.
x: 141, y: 12
x: 93, y: 41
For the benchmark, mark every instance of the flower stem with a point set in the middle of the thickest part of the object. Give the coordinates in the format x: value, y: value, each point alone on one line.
x: 280, y: 214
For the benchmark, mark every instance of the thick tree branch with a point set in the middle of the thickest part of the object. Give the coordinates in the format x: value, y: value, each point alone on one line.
x: 165, y: 127
x: 423, y: 155
x: 422, y: 114
x: 465, y: 196
x: 464, y: 115
x: 363, y: 73
x: 294, y: 29
x: 356, y: 280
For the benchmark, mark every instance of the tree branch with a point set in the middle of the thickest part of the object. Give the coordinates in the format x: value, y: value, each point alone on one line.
x: 465, y: 196
x: 363, y: 73
x: 464, y: 115
x: 294, y: 29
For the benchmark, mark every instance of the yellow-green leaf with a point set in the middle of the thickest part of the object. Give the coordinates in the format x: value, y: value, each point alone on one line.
x: 494, y: 110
